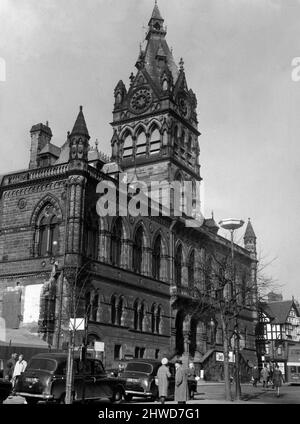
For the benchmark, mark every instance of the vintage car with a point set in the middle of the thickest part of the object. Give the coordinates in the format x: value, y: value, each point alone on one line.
x: 45, y: 379
x: 140, y: 379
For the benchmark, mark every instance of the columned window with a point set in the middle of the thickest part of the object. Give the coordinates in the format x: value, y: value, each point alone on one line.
x: 48, y: 232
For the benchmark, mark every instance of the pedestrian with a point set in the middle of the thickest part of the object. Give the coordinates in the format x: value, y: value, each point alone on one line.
x: 163, y: 375
x: 265, y: 376
x: 10, y: 365
x: 277, y: 379
x: 271, y: 371
x: 255, y: 375
x: 20, y: 367
x: 192, y: 383
x: 181, y: 383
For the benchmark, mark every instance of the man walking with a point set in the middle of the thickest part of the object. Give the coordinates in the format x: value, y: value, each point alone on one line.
x: 277, y: 379
x: 265, y: 376
x: 20, y: 367
x: 192, y: 383
x: 181, y: 384
x: 163, y: 375
x: 10, y: 365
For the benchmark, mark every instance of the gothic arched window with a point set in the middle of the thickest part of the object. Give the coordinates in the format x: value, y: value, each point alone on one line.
x: 120, y: 310
x: 158, y: 319
x: 178, y: 265
x: 191, y: 269
x: 113, y: 309
x: 154, y: 142
x: 153, y: 317
x: 48, y: 232
x: 116, y: 242
x: 156, y: 258
x: 135, y: 314
x: 127, y: 146
x: 141, y: 316
x: 141, y: 144
x: 138, y: 251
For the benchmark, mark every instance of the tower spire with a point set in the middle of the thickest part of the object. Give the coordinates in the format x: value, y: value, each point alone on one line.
x: 80, y: 127
x: 250, y: 238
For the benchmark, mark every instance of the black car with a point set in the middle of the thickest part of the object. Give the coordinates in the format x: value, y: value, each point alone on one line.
x: 140, y: 379
x: 45, y: 379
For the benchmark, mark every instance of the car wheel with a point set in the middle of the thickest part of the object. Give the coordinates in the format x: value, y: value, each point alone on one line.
x: 128, y: 398
x: 117, y: 396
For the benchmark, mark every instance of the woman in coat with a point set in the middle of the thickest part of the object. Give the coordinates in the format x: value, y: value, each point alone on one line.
x: 277, y: 379
x: 181, y: 383
x: 163, y: 374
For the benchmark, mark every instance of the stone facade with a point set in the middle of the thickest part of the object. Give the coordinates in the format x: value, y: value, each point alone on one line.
x: 134, y: 277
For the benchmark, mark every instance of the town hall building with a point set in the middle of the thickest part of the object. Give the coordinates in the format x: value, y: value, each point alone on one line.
x: 137, y: 280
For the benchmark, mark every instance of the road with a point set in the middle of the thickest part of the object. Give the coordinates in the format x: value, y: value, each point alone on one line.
x: 214, y: 394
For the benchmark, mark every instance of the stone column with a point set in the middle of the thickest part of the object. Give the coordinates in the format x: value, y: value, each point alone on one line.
x: 104, y: 246
x: 126, y: 254
x: 146, y: 261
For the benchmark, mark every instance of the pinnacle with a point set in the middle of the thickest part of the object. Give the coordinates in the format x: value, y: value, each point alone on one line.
x: 249, y: 233
x: 80, y: 127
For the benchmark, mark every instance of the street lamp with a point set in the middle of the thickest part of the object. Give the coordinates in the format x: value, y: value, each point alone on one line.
x: 232, y: 225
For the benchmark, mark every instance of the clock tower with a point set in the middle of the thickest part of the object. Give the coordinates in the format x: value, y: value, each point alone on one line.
x: 155, y: 127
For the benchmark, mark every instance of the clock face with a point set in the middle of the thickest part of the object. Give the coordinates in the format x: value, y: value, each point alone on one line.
x: 141, y: 100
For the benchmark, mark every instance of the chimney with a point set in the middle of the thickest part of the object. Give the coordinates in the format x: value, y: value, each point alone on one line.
x: 40, y: 136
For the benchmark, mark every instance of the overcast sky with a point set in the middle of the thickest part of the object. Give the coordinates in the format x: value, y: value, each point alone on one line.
x: 64, y: 53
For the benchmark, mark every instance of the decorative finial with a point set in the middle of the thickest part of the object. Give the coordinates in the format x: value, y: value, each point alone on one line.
x: 155, y: 2
x: 80, y: 108
x: 96, y: 144
x: 181, y: 63
x: 47, y: 123
x: 68, y: 134
x: 171, y: 50
x: 212, y: 215
x: 249, y: 219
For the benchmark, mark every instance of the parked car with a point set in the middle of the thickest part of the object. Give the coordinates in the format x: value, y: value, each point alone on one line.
x: 45, y: 379
x: 140, y: 379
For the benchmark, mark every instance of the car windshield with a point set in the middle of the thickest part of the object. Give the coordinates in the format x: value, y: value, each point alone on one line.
x: 42, y: 364
x: 139, y: 367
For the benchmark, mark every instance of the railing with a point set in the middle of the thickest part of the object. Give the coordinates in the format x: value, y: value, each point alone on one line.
x: 37, y: 174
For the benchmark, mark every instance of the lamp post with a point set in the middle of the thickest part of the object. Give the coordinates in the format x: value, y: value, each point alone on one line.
x: 232, y: 225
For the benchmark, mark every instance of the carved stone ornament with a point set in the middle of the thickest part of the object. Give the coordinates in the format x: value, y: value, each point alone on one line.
x: 22, y: 203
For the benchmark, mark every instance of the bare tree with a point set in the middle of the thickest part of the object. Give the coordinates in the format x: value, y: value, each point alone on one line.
x: 226, y: 295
